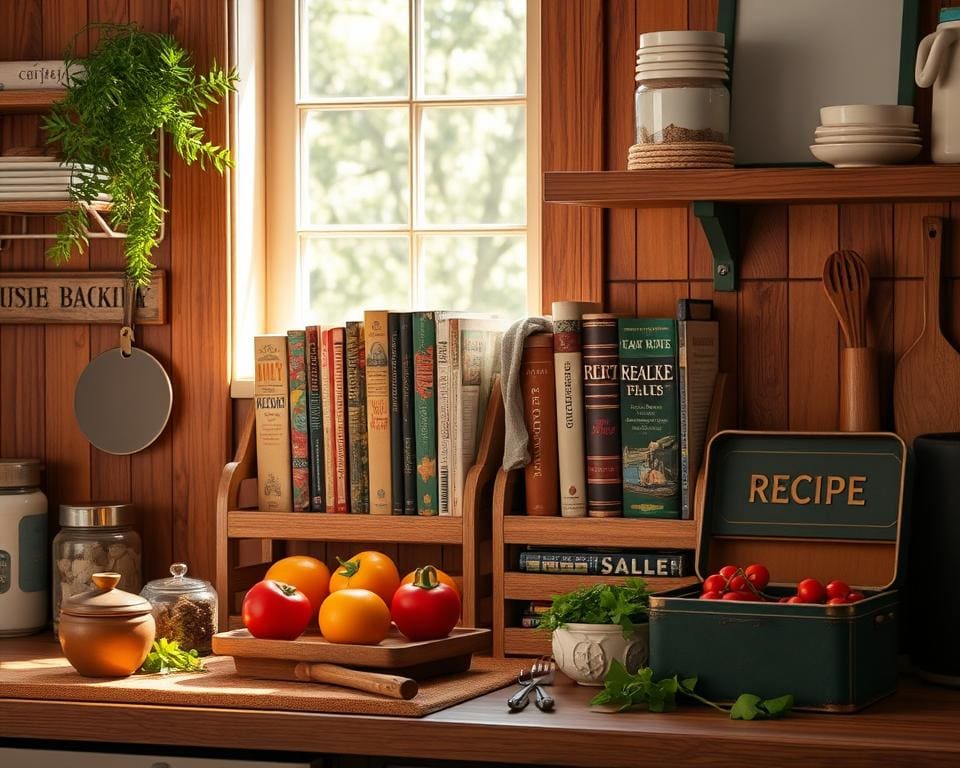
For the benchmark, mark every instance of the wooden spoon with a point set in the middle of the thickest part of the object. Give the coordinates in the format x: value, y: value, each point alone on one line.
x: 925, y: 385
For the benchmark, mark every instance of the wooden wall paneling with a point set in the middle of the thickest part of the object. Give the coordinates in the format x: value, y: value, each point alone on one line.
x: 619, y: 49
x: 764, y: 354
x: 658, y: 298
x: 151, y: 471
x: 813, y: 236
x: 621, y: 298
x: 908, y: 235
x: 67, y: 348
x: 702, y: 14
x: 763, y: 242
x: 199, y: 316
x: 109, y: 474
x: 700, y: 266
x: 21, y: 347
x: 572, y: 139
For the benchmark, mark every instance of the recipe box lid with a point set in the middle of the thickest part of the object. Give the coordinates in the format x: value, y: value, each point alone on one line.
x: 827, y: 505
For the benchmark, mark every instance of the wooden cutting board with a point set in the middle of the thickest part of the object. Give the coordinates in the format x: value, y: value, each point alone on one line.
x: 925, y: 385
x: 393, y: 653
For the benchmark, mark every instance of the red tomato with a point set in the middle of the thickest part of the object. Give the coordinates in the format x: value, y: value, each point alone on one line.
x: 715, y: 583
x: 276, y: 611
x: 837, y: 588
x: 425, y: 609
x: 738, y: 583
x: 758, y: 575
x: 711, y: 595
x: 731, y: 596
x: 811, y: 591
x: 854, y: 596
x: 794, y: 599
x: 729, y: 571
x: 837, y: 601
x: 750, y: 595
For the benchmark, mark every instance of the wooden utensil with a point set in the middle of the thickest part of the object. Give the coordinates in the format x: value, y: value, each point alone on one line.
x: 925, y: 384
x: 394, y: 686
x: 846, y: 281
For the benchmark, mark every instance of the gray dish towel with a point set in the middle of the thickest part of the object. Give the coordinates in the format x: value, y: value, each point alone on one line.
x: 515, y: 453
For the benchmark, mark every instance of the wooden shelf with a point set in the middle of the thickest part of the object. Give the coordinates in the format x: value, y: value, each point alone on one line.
x: 307, y: 526
x: 526, y: 642
x: 637, y: 189
x: 617, y: 532
x: 43, y: 207
x: 28, y: 101
x: 542, y: 586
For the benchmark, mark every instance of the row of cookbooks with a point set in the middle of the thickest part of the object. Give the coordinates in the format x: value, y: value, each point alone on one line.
x: 379, y: 416
x: 616, y: 410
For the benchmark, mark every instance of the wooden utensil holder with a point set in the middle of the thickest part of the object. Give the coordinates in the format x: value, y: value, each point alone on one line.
x: 859, y: 390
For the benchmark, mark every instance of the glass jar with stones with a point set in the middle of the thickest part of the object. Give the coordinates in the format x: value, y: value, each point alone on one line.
x: 95, y: 537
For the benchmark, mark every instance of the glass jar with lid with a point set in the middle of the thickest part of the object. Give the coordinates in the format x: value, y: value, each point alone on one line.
x: 185, y: 609
x: 95, y: 537
x: 24, y: 571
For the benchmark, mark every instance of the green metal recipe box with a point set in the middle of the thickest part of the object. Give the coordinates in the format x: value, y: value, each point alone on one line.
x: 822, y: 505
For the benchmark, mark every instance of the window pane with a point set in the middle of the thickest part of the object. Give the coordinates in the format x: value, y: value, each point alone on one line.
x: 473, y: 47
x: 355, y: 167
x: 346, y: 275
x: 473, y: 166
x: 354, y: 49
x: 482, y: 273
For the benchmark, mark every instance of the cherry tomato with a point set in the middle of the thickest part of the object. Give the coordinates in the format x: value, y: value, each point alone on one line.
x: 837, y: 588
x: 738, y: 583
x: 712, y: 595
x: 731, y: 596
x: 750, y: 595
x: 715, y: 583
x: 425, y: 609
x: 854, y: 596
x: 811, y: 591
x: 837, y: 601
x: 758, y: 575
x: 276, y: 611
x: 794, y: 599
x: 729, y: 571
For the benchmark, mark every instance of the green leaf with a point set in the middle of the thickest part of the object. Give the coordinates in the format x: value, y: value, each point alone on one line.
x: 167, y: 656
x: 745, y: 707
x: 624, y: 604
x: 777, y: 707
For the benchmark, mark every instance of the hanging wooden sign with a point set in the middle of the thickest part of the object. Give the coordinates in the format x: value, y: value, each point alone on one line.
x: 77, y: 297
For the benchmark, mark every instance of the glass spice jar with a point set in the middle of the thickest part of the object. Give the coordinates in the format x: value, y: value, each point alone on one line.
x: 94, y: 538
x: 185, y: 609
x: 692, y: 107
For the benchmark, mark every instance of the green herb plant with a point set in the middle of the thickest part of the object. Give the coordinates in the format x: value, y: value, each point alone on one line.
x: 132, y: 85
x: 623, y: 691
x: 168, y: 656
x: 625, y: 605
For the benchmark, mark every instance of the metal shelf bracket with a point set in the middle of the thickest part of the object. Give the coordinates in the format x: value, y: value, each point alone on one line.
x: 721, y: 225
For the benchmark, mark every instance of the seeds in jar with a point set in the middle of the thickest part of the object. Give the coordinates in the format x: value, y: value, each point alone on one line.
x: 191, y: 623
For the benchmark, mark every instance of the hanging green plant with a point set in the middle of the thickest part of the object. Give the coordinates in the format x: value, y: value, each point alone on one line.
x: 132, y: 85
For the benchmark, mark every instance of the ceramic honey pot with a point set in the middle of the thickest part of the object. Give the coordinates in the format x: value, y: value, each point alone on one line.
x: 106, y: 632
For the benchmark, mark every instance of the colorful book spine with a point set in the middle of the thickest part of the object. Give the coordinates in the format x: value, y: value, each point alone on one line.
x: 315, y: 421
x: 299, y: 442
x: 357, y: 419
x: 407, y: 407
x: 644, y: 564
x: 649, y: 424
x: 601, y: 398
x: 443, y: 413
x: 425, y: 411
x: 540, y: 418
x: 326, y: 405
x: 334, y: 418
x: 698, y: 365
x: 568, y: 365
x: 396, y: 413
x: 456, y: 423
x: 271, y: 401
x: 376, y: 344
x: 530, y: 620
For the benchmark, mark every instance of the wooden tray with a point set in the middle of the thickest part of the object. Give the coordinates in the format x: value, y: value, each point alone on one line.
x: 395, y: 652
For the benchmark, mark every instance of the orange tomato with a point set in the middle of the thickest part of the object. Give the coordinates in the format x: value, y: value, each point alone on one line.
x: 367, y: 570
x: 354, y: 616
x: 307, y: 574
x: 442, y: 577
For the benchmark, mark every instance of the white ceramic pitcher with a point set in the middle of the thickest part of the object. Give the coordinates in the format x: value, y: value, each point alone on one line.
x: 938, y: 64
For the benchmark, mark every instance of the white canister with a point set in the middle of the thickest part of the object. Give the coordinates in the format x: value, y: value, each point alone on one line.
x: 24, y: 563
x: 938, y: 64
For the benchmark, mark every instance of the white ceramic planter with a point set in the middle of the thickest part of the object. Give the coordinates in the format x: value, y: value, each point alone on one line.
x: 583, y: 652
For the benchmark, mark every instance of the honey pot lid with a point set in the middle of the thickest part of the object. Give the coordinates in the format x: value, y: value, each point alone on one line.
x: 106, y: 600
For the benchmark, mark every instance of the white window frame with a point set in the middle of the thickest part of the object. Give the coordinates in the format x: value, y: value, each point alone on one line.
x: 267, y: 234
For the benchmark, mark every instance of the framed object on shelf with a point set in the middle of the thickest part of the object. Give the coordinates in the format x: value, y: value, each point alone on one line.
x: 790, y: 58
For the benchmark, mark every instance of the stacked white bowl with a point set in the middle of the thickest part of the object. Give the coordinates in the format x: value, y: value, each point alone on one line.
x: 858, y: 135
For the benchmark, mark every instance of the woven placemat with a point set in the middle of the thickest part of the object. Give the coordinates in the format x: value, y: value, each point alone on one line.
x: 54, y: 679
x: 690, y: 146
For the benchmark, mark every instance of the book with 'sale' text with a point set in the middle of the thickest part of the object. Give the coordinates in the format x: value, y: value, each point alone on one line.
x: 601, y: 403
x: 649, y: 417
x: 540, y: 419
x: 644, y: 564
x: 357, y: 465
x: 271, y: 401
x: 315, y: 421
x: 299, y: 441
x: 377, y: 343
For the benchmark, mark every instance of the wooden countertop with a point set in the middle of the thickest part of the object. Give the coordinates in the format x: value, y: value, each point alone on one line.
x: 919, y: 726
